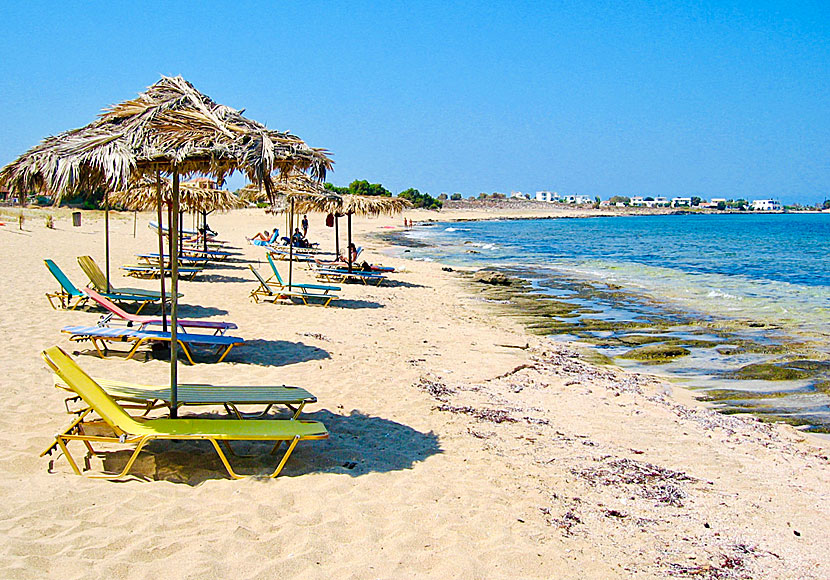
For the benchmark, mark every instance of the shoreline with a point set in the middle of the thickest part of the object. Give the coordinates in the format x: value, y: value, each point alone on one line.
x: 462, y: 446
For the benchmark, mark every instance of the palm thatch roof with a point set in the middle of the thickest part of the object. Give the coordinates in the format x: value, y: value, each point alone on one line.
x: 335, y: 203
x: 143, y: 196
x: 171, y: 127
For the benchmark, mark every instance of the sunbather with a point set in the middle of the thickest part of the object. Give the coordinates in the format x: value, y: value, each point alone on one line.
x: 266, y: 237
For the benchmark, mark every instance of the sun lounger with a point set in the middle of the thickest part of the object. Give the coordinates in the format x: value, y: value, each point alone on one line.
x: 155, y: 271
x: 217, y: 255
x: 266, y: 292
x: 98, y: 281
x: 324, y: 288
x: 69, y: 292
x: 141, y: 322
x: 343, y: 275
x: 275, y: 235
x: 100, y: 335
x: 129, y: 431
x: 149, y: 397
x: 151, y: 259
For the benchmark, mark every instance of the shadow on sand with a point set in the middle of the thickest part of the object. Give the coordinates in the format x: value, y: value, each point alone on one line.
x: 358, y: 444
x: 340, y: 303
x: 271, y: 353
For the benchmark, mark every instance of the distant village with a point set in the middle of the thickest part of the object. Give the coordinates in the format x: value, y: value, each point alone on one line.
x: 693, y: 202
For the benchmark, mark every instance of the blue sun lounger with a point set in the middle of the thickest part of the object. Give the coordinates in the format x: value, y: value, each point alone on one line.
x: 99, y: 335
x: 68, y: 292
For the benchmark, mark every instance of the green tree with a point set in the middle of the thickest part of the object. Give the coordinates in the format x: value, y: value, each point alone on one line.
x: 826, y: 204
x: 419, y: 199
x: 696, y: 201
x: 455, y: 197
x: 619, y: 199
x: 721, y: 205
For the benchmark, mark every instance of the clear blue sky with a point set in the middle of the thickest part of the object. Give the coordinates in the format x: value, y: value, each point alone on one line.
x: 718, y: 99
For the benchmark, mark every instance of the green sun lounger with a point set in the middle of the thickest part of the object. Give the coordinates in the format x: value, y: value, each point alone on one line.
x: 98, y: 281
x: 129, y: 431
x: 324, y: 288
x: 149, y: 397
x: 69, y: 292
x: 266, y: 292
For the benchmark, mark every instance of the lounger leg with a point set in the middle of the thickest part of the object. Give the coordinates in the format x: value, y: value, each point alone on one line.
x: 286, y: 456
x: 141, y: 305
x: 224, y: 459
x: 187, y: 352
x: 66, y: 431
x: 135, y: 348
x: 97, y: 348
x: 230, y: 346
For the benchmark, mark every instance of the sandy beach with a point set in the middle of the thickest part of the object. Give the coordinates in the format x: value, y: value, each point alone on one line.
x: 461, y: 446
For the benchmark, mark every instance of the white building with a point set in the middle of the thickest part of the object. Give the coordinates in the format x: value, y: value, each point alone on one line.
x: 638, y: 201
x: 544, y: 196
x: 583, y: 199
x: 519, y: 195
x: 677, y: 201
x: 767, y: 205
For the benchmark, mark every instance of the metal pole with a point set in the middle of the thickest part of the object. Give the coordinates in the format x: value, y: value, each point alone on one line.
x: 174, y: 290
x: 349, y: 248
x: 336, y: 236
x: 135, y: 220
x: 204, y: 233
x: 161, y: 249
x: 107, y: 236
x: 290, y: 243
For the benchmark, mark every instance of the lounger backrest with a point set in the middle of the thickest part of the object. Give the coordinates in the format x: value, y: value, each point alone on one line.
x: 274, y: 268
x: 261, y: 280
x: 91, y: 269
x: 92, y: 394
x: 68, y: 286
x: 109, y: 305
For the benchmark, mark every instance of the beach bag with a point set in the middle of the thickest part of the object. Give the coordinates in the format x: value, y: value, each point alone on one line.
x: 330, y: 221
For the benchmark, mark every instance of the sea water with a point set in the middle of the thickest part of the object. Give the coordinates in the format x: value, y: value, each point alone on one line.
x: 763, y: 276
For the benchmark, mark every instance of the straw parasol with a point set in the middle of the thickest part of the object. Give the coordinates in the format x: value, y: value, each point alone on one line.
x: 348, y: 204
x: 170, y: 129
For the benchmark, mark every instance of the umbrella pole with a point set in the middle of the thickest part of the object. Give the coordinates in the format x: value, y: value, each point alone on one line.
x: 349, y: 248
x: 161, y: 248
x: 204, y: 233
x: 290, y: 243
x: 174, y: 307
x: 107, y: 237
x: 135, y: 220
x: 336, y: 236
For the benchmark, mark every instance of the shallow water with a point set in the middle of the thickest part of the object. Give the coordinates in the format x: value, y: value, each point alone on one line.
x: 758, y: 283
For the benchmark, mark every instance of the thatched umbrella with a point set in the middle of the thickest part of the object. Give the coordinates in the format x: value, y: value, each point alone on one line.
x: 348, y: 204
x: 170, y: 129
x: 148, y: 194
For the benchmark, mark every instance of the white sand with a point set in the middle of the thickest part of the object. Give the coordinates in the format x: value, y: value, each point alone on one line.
x: 463, y: 466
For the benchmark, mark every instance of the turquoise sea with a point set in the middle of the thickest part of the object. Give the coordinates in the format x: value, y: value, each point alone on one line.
x: 717, y: 282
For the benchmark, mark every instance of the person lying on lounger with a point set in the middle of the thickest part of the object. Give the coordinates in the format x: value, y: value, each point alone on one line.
x: 266, y: 236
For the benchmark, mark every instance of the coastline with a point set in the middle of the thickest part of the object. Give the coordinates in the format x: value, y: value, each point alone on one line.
x: 479, y: 449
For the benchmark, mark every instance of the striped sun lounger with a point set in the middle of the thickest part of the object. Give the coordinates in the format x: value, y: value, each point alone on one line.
x: 100, y: 335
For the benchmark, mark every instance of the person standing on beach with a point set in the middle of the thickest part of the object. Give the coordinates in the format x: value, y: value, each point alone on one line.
x: 305, y: 226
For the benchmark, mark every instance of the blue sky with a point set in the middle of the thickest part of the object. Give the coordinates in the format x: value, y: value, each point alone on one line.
x: 717, y: 99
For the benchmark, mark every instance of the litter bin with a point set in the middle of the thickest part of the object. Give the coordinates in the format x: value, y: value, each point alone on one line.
x: 76, y: 219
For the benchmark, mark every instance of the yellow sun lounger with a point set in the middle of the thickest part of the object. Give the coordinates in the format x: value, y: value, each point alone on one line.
x: 129, y: 431
x: 98, y: 281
